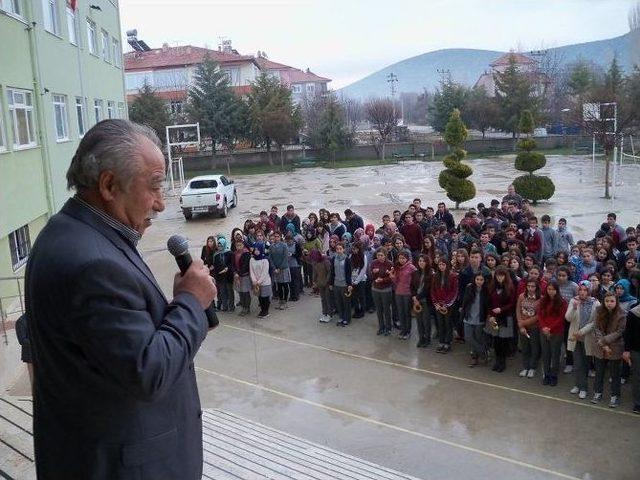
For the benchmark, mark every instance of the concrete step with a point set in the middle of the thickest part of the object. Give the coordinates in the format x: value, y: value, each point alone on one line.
x: 234, y: 449
x: 16, y: 439
x: 248, y: 450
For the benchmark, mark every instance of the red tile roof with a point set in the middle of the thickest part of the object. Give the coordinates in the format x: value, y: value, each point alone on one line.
x: 518, y: 57
x: 267, y: 64
x: 289, y: 74
x: 178, y: 56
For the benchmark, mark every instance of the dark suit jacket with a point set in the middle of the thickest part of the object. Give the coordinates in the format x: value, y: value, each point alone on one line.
x: 115, y: 390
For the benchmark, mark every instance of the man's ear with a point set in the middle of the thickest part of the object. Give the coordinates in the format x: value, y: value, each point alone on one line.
x: 107, y: 185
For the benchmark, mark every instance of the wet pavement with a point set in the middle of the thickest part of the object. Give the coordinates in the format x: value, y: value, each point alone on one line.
x: 382, y: 399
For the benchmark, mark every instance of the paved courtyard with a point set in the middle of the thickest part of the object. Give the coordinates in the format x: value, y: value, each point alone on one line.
x: 381, y: 399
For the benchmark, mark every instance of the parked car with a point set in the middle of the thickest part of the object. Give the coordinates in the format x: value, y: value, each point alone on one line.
x: 208, y: 194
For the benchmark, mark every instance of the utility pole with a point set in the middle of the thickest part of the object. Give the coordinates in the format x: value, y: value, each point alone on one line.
x: 392, y: 79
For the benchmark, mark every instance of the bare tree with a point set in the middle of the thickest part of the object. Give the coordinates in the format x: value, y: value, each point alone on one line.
x: 384, y: 118
x: 354, y: 113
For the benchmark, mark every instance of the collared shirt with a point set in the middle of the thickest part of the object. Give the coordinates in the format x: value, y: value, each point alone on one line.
x: 130, y: 234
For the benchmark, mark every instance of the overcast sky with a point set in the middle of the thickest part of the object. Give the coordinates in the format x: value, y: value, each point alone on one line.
x: 349, y: 39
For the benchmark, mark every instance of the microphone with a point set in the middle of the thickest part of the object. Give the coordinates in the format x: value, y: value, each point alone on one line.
x: 178, y: 246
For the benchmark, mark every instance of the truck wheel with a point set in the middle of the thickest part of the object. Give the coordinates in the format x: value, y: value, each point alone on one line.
x: 235, y: 198
x: 225, y: 209
x: 188, y: 215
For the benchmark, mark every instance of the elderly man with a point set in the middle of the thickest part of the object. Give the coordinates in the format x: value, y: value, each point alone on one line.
x: 115, y: 393
x: 512, y: 196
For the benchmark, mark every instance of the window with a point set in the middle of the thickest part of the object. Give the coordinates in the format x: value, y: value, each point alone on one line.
x: 60, y: 117
x: 296, y: 88
x: 21, y: 111
x: 80, y: 112
x: 117, y: 56
x: 20, y: 246
x: 175, y: 106
x: 311, y: 88
x: 106, y: 52
x: 3, y: 142
x: 50, y: 11
x: 11, y: 6
x: 71, y: 25
x: 92, y: 37
x: 121, y: 111
x: 97, y: 109
x: 111, y: 109
x: 135, y: 81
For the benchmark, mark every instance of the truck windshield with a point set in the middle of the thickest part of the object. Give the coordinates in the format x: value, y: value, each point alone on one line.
x: 200, y: 184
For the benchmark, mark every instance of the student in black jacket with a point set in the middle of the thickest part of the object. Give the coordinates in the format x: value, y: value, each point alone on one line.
x: 340, y: 284
x: 631, y: 353
x: 223, y: 274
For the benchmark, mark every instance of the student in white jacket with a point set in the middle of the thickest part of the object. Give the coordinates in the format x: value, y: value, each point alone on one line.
x: 260, y: 278
x: 581, y: 314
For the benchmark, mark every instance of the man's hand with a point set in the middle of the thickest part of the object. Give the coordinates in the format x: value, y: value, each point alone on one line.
x: 626, y: 356
x: 196, y: 281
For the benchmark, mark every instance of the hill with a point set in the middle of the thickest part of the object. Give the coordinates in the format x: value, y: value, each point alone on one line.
x: 466, y: 65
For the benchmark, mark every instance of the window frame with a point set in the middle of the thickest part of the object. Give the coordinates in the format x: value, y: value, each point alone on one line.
x: 60, y: 103
x: 106, y: 45
x: 121, y: 111
x: 116, y: 53
x: 92, y: 45
x: 72, y: 25
x: 51, y: 22
x: 18, y: 240
x: 111, y: 109
x: 15, y: 9
x: 4, y: 147
x: 98, y: 104
x: 29, y: 117
x: 81, y: 116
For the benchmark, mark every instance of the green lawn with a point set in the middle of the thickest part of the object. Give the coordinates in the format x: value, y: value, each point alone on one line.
x: 352, y: 163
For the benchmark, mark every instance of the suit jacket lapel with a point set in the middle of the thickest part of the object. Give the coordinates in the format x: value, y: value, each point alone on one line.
x: 77, y: 211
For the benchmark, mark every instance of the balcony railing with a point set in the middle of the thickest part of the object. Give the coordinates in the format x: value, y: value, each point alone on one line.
x: 11, y: 306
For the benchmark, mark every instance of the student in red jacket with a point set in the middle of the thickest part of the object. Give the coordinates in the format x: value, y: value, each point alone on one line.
x: 401, y: 276
x: 551, y: 311
x: 444, y: 293
x: 381, y: 290
x: 502, y: 302
x: 533, y: 240
x: 412, y: 234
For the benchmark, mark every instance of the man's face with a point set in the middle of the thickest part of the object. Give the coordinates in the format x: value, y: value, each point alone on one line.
x: 511, y: 190
x: 475, y: 259
x: 484, y: 238
x: 334, y: 220
x: 274, y: 211
x: 611, y: 221
x: 429, y: 212
x: 396, y: 216
x: 290, y: 212
x: 562, y: 225
x: 385, y: 220
x: 511, y: 235
x: 408, y: 219
x: 632, y: 245
x: 545, y: 224
x: 136, y: 206
x: 441, y: 208
x: 533, y: 225
x: 419, y: 216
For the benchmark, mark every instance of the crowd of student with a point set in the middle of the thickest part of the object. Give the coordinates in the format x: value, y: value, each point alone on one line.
x: 498, y: 281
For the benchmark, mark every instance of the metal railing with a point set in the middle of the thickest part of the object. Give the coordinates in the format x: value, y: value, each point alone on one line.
x: 11, y: 306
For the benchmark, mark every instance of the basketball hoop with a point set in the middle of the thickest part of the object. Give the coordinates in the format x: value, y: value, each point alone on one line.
x: 187, y: 135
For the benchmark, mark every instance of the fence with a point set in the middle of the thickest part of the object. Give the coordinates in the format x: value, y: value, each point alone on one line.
x: 11, y: 305
x: 205, y: 162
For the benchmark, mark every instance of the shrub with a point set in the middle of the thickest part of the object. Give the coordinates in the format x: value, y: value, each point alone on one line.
x: 530, y: 161
x: 454, y: 177
x: 534, y: 187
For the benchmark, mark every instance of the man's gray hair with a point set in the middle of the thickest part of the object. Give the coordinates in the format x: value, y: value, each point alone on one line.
x: 108, y: 145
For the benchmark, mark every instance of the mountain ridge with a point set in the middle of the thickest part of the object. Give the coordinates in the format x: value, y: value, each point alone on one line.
x: 467, y: 64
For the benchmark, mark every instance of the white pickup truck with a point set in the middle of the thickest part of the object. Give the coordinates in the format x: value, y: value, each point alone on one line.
x: 208, y: 194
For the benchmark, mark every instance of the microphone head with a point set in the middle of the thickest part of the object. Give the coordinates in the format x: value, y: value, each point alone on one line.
x: 177, y: 245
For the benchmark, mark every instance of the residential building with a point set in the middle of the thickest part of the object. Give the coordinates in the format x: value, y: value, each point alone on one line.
x: 58, y: 58
x: 304, y: 84
x: 170, y: 71
x: 524, y: 64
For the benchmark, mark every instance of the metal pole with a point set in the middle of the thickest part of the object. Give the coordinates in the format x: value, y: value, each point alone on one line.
x: 613, y: 183
x: 593, y: 155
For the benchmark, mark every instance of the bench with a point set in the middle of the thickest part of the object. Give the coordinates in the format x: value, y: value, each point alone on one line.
x: 306, y: 162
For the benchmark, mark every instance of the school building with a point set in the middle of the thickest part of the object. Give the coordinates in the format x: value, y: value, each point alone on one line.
x: 61, y: 72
